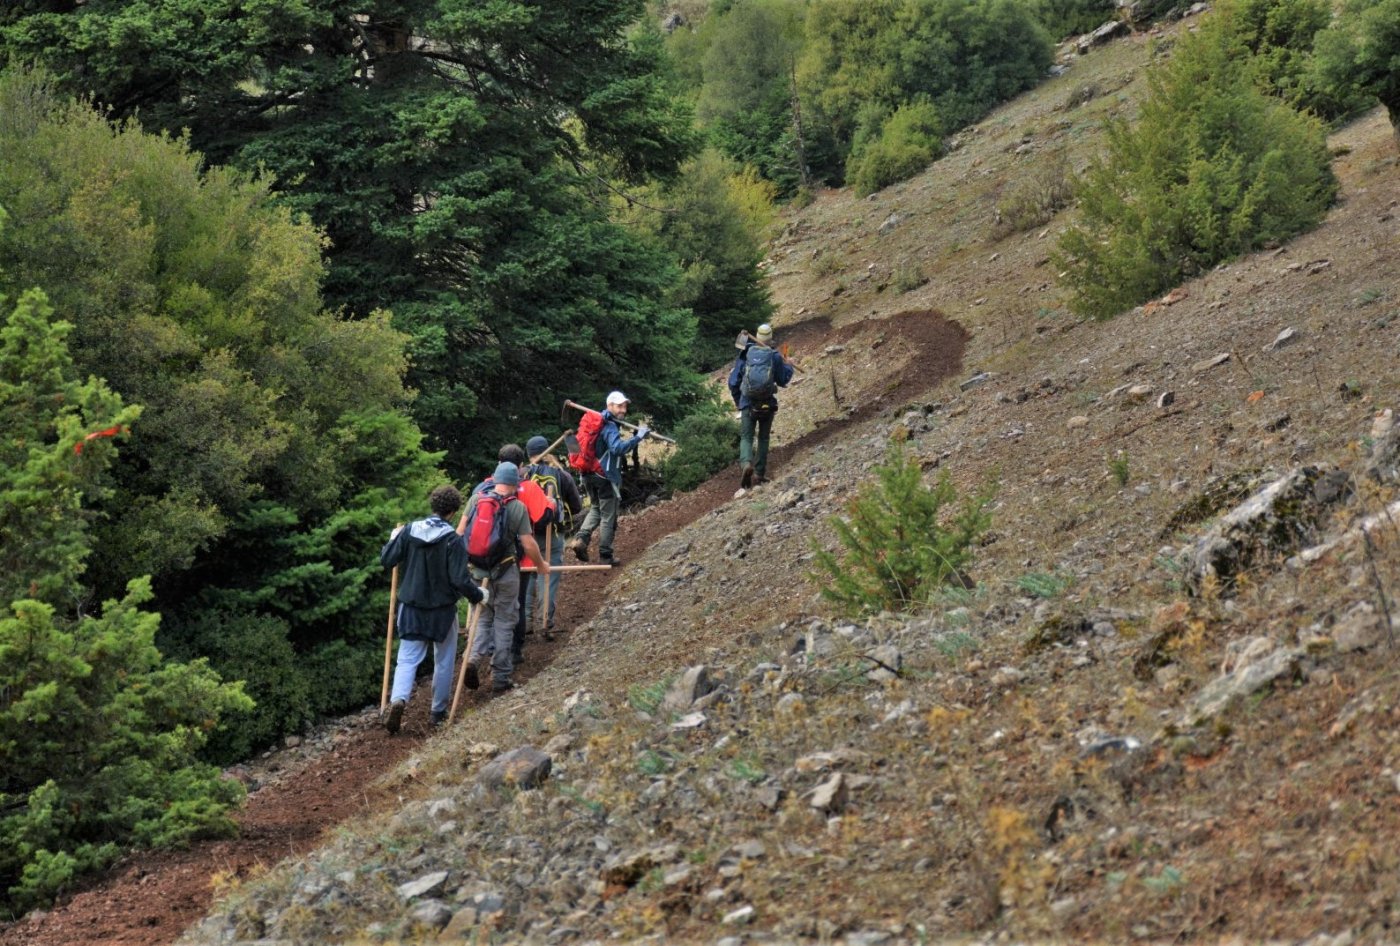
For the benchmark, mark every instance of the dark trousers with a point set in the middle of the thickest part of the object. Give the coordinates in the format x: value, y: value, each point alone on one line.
x: 748, y: 421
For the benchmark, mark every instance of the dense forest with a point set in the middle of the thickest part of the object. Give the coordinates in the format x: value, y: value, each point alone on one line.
x: 271, y: 271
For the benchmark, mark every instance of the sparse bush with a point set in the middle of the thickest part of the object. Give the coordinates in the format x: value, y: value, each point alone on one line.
x: 1043, y: 584
x: 1034, y: 199
x: 1213, y: 168
x: 909, y: 277
x: 899, y: 550
x: 908, y: 142
x: 708, y: 442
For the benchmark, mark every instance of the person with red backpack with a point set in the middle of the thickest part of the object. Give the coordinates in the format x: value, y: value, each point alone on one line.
x: 758, y: 372
x: 498, y: 531
x: 432, y: 560
x: 601, y: 449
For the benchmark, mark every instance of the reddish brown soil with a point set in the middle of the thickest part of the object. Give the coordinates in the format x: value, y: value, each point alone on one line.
x: 151, y: 897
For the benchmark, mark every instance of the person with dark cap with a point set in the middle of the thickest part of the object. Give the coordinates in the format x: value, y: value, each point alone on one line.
x: 759, y: 370
x: 560, y: 484
x: 433, y: 576
x: 495, y: 630
x: 605, y: 489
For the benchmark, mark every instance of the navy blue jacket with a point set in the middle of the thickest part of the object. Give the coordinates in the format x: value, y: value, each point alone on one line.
x: 782, y: 374
x: 611, y: 448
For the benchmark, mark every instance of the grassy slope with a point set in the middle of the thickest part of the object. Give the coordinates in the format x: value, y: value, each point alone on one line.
x: 973, y: 809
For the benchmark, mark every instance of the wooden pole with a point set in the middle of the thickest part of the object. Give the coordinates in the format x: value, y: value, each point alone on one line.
x: 548, y: 557
x: 389, y: 638
x: 621, y: 423
x: 550, y: 449
x: 473, y: 617
x: 528, y: 569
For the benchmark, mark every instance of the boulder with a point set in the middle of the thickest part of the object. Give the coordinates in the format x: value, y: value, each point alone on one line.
x: 524, y: 768
x: 687, y: 688
x: 1277, y: 519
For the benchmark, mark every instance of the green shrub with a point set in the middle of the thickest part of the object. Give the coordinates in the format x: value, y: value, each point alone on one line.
x: 1357, y: 57
x: 708, y: 442
x: 899, y: 552
x: 1212, y: 169
x: 910, y: 140
x: 1063, y: 18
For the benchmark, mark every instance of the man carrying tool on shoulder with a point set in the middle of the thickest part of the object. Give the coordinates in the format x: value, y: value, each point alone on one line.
x: 433, y: 561
x: 603, y: 482
x: 498, y: 532
x: 758, y: 372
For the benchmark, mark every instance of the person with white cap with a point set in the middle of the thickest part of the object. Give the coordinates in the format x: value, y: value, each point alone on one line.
x: 605, y: 489
x: 758, y: 372
x: 495, y: 629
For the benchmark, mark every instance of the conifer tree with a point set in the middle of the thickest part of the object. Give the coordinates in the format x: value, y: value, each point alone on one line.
x: 99, y: 736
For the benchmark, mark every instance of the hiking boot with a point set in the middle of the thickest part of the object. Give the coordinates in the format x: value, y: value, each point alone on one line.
x: 395, y: 719
x: 502, y: 686
x: 746, y: 481
x: 580, y: 549
x: 438, y: 718
x: 473, y: 678
x: 611, y: 562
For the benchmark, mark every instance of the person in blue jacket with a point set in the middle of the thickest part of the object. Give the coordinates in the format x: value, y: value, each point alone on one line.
x: 605, y: 490
x: 758, y: 372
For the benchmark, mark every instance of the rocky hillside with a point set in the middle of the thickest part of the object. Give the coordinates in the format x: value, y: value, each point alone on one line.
x: 1165, y: 713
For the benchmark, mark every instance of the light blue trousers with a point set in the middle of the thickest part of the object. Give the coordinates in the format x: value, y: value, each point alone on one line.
x: 411, y: 654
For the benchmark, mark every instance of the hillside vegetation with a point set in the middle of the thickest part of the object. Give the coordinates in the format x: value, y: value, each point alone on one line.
x: 1121, y: 730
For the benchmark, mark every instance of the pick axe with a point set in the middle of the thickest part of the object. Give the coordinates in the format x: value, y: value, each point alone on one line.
x: 620, y: 423
x: 745, y: 338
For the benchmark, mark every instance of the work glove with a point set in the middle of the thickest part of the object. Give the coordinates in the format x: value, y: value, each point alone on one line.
x: 485, y: 597
x: 642, y: 432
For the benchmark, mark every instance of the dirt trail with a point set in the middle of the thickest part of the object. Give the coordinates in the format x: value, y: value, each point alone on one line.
x: 150, y: 898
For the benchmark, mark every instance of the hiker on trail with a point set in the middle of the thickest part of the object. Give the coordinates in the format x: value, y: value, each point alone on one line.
x: 543, y: 508
x: 558, y: 482
x: 432, y: 560
x: 602, y: 479
x: 497, y: 526
x: 758, y: 372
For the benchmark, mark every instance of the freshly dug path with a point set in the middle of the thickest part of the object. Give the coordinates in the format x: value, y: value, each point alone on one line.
x: 150, y: 898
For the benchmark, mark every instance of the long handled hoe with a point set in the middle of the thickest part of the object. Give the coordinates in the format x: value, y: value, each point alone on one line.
x: 389, y: 638
x: 474, y: 619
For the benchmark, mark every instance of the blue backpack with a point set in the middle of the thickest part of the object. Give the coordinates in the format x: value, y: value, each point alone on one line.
x: 759, y: 382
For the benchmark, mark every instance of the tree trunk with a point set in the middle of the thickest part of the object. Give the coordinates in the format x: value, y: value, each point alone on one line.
x: 802, y: 170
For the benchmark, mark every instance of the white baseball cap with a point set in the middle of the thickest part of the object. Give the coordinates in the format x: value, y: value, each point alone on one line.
x: 617, y: 397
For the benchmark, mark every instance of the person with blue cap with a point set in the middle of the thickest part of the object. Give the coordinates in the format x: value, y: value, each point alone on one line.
x: 495, y: 629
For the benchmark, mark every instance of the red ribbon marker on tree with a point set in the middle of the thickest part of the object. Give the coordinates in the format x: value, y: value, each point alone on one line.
x: 109, y: 432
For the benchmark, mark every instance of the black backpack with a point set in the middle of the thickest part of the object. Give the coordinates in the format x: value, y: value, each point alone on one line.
x: 760, y: 367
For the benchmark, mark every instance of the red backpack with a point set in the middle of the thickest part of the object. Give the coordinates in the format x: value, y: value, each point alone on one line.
x: 489, y: 541
x: 589, y: 429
